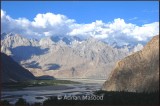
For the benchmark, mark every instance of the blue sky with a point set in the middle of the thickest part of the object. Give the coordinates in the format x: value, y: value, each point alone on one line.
x: 138, y: 13
x: 119, y: 21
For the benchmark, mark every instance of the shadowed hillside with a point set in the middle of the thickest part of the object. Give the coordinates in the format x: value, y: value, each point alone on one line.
x: 12, y: 71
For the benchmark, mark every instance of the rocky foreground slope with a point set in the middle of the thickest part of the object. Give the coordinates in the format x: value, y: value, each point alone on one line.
x: 12, y: 71
x: 138, y: 72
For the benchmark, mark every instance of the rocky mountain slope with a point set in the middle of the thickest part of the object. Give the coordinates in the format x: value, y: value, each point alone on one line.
x: 12, y: 71
x: 62, y: 58
x: 138, y: 72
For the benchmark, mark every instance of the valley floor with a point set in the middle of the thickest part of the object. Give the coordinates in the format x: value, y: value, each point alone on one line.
x: 39, y: 91
x: 63, y: 92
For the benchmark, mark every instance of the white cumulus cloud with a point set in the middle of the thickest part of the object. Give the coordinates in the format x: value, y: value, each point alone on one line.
x: 138, y: 47
x: 43, y: 25
x: 50, y: 24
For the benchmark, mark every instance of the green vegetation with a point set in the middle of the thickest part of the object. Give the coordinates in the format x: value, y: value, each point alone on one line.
x: 33, y: 83
x: 21, y: 102
x: 110, y: 98
x: 4, y: 103
x: 129, y: 98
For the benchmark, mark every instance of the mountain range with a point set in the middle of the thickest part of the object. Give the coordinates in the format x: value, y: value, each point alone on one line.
x: 65, y: 57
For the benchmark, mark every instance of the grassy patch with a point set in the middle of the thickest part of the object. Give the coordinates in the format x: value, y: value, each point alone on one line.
x: 34, y: 83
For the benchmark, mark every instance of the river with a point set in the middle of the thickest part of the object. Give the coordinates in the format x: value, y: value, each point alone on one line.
x: 41, y: 93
